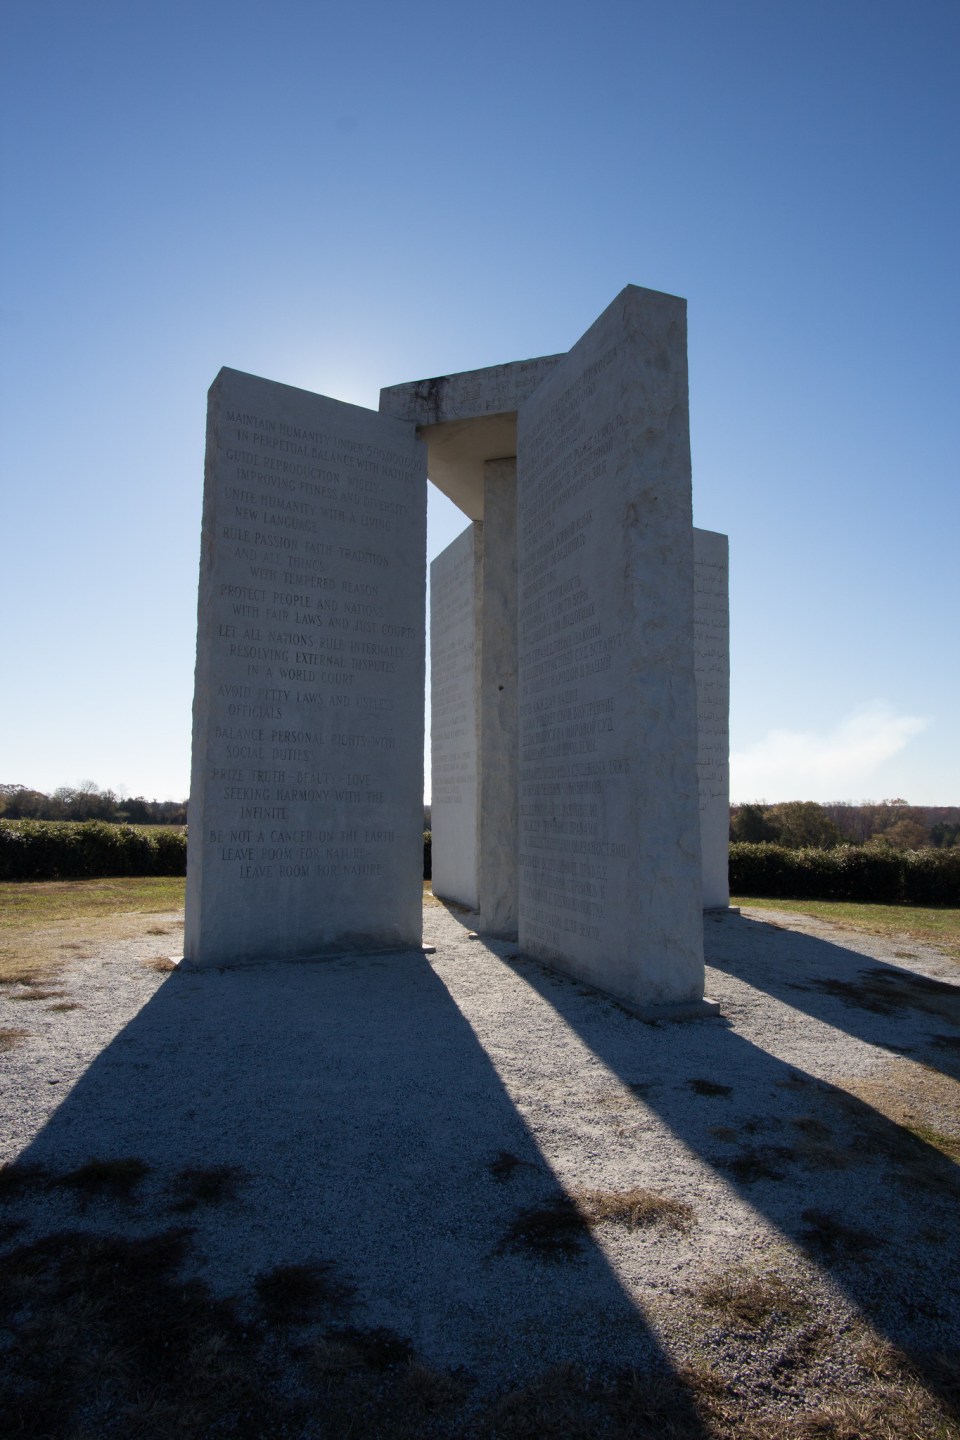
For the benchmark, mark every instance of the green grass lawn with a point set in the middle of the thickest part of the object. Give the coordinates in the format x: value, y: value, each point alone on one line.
x: 46, y: 923
x: 940, y: 927
x: 41, y: 902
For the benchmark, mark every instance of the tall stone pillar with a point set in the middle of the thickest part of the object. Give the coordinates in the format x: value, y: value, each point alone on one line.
x: 497, y: 709
x: 469, y: 422
x: 454, y: 718
x: 610, y: 877
x: 306, y: 800
x: 473, y: 643
x: 711, y: 626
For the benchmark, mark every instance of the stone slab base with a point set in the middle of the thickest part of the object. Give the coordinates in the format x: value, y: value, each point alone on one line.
x: 270, y: 962
x: 686, y: 1010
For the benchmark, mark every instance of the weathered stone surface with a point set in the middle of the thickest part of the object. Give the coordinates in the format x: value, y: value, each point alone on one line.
x: 498, y: 780
x: 466, y: 420
x: 494, y: 390
x: 454, y: 710
x: 711, y: 629
x: 610, y: 878
x: 306, y: 796
x: 473, y: 643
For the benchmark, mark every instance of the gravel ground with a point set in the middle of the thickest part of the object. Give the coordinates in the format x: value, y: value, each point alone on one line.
x: 401, y: 1117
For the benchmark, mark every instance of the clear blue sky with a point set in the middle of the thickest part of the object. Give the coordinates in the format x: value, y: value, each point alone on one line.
x: 342, y: 197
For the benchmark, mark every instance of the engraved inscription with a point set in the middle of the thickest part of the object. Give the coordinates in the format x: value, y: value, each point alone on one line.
x: 571, y: 744
x: 711, y: 648
x: 310, y: 666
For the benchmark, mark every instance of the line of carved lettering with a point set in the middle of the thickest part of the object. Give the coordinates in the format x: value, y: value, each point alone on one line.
x: 563, y: 844
x: 549, y: 865
x: 589, y: 373
x: 568, y: 675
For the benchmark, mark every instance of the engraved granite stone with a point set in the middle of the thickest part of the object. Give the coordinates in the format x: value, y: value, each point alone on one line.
x: 454, y: 735
x: 466, y: 420
x: 307, y: 783
x: 610, y: 878
x: 711, y: 629
x: 473, y: 643
x: 580, y: 666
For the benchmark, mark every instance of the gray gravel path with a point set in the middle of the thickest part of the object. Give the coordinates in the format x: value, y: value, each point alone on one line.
x: 367, y: 1099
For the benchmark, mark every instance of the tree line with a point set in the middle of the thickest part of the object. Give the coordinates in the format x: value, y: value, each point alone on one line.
x: 795, y: 824
x: 888, y: 824
x: 87, y: 801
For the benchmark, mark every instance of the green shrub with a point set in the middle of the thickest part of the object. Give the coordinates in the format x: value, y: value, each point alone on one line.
x: 931, y: 877
x: 87, y: 850
x: 871, y: 874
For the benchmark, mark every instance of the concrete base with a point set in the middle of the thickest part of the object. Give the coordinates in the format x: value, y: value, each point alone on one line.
x: 190, y: 967
x: 688, y: 1010
x: 704, y: 1009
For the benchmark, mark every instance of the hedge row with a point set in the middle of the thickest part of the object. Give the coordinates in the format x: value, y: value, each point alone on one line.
x: 70, y: 850
x: 871, y: 876
x: 75, y: 850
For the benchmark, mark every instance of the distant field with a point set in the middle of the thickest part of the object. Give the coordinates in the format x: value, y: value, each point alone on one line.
x: 40, y: 902
x: 36, y: 916
x: 46, y: 923
x: 940, y: 927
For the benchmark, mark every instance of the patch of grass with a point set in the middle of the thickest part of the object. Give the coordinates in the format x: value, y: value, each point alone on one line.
x: 909, y: 1116
x: 726, y: 1133
x: 948, y: 1145
x: 205, y: 1185
x: 914, y: 1376
x: 36, y: 991
x: 939, y: 927
x: 557, y: 1229
x: 889, y: 992
x: 709, y: 1087
x: 63, y: 1006
x: 428, y: 1390
x: 46, y: 923
x: 551, y: 1231
x: 375, y: 1349
x: 812, y: 1127
x: 562, y: 1403
x: 752, y: 1300
x: 19, y: 1178
x: 108, y: 1340
x: 41, y: 902
x: 302, y: 1293
x: 637, y: 1209
x: 816, y: 1146
x: 162, y: 964
x: 115, y: 1179
x: 504, y: 1163
x: 880, y: 1358
x: 103, y: 1336
x: 759, y: 1162
x: 566, y: 1404
x: 429, y: 899
x: 11, y: 1036
x: 901, y: 1413
x: 833, y: 1237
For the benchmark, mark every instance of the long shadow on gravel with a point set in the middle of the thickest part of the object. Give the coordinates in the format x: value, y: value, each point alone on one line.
x: 866, y: 998
x: 361, y: 1127
x: 869, y: 1202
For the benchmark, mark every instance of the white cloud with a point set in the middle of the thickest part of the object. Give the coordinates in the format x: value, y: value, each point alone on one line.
x: 830, y: 765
